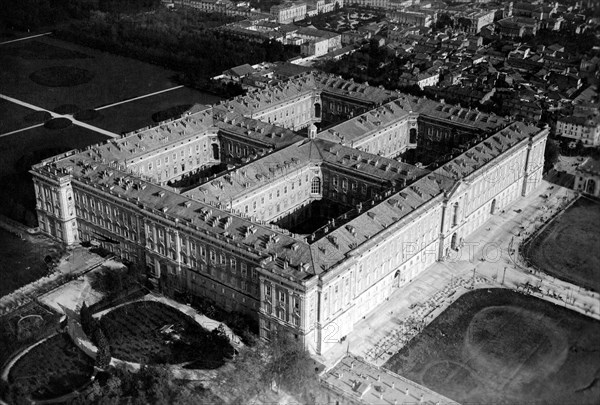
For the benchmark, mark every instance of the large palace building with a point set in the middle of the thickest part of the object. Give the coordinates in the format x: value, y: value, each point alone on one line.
x: 309, y: 231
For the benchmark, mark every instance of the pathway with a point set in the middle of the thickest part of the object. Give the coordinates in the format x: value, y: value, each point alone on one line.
x: 21, y: 130
x: 23, y: 39
x: 56, y: 115
x: 10, y: 364
x: 138, y: 98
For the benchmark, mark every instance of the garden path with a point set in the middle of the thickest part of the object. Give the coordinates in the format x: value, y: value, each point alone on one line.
x: 23, y: 39
x: 6, y: 370
x: 55, y: 115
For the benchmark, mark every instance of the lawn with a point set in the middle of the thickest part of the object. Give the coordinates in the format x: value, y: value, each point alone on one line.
x: 138, y: 114
x: 499, y: 346
x: 19, y: 329
x: 568, y: 247
x: 53, y: 368
x: 16, y: 117
x: 154, y: 333
x: 96, y: 78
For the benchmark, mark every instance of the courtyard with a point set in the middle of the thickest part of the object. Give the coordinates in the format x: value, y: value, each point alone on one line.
x: 568, y: 247
x: 499, y: 346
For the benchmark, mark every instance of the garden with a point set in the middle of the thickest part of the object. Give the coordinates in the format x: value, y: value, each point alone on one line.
x: 568, y: 247
x: 150, y: 332
x: 53, y: 368
x: 500, y: 346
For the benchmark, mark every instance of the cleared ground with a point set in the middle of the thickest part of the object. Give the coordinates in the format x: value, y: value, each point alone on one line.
x: 569, y: 247
x: 498, y: 346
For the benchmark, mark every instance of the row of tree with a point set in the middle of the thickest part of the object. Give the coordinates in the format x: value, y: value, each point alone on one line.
x: 187, y: 43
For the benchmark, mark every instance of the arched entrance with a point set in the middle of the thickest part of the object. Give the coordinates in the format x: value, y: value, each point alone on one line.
x: 590, y: 186
x: 493, y: 207
x: 453, y: 243
x: 317, y: 110
x: 215, y: 151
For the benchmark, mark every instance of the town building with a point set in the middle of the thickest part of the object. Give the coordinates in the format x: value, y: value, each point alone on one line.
x: 289, y: 12
x: 584, y: 128
x: 587, y: 177
x: 307, y: 233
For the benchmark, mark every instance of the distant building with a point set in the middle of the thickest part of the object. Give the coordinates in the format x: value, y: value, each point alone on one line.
x: 587, y: 177
x: 584, y: 128
x: 289, y: 12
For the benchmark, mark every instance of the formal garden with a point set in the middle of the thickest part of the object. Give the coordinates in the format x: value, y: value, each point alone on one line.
x: 53, y: 368
x: 500, y: 346
x: 150, y: 332
x: 568, y: 247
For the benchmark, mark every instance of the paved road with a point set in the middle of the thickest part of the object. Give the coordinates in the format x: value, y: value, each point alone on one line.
x: 23, y: 39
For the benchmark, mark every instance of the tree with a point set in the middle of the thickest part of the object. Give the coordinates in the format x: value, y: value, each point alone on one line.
x: 103, y: 355
x: 292, y: 367
x: 88, y: 323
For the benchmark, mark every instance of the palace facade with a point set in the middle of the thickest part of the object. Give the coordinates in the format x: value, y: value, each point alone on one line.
x: 307, y: 230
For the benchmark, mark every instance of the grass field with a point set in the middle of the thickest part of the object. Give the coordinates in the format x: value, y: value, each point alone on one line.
x: 16, y: 117
x: 138, y: 114
x: 569, y: 246
x: 115, y: 78
x: 53, y: 368
x: 498, y: 346
x: 135, y: 333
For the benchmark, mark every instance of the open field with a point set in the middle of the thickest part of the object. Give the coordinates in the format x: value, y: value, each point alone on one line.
x: 138, y: 113
x: 111, y: 78
x: 16, y: 117
x: 21, y: 150
x: 151, y: 332
x: 53, y: 368
x: 498, y: 346
x: 568, y: 247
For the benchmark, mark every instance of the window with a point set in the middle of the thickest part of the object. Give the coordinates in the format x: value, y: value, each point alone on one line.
x: 316, y: 186
x: 268, y: 290
x: 213, y: 256
x: 232, y: 263
x: 282, y: 296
